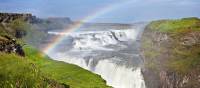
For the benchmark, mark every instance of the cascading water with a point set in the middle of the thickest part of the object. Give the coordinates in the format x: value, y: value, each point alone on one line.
x: 113, y: 54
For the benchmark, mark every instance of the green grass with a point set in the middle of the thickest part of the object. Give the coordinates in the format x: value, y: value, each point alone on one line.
x: 66, y: 73
x: 176, y: 26
x: 2, y: 31
x: 38, y: 71
x: 18, y: 72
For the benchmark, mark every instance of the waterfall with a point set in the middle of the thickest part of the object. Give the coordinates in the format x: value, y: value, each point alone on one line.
x: 120, y: 76
x: 115, y: 75
x: 111, y: 54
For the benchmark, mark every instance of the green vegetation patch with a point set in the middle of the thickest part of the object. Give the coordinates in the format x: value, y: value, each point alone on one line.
x: 16, y: 28
x: 176, y: 26
x: 18, y: 72
x: 38, y: 71
x: 185, y: 60
x: 65, y: 73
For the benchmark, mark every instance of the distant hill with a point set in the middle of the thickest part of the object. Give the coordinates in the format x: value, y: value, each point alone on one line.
x: 106, y: 26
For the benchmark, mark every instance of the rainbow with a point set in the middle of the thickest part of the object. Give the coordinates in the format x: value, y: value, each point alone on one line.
x: 90, y: 17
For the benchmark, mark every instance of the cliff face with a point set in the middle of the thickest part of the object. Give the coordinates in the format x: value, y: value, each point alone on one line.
x: 13, y: 26
x: 171, y: 51
x: 9, y: 17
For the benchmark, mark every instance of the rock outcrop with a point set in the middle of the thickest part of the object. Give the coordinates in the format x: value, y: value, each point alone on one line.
x: 11, y: 31
x: 9, y: 45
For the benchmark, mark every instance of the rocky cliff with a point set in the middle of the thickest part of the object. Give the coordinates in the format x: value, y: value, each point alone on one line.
x: 171, y: 52
x: 9, y: 17
x: 13, y: 26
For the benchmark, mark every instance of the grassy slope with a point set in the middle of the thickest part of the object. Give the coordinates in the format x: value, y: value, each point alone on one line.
x: 13, y: 70
x: 33, y: 69
x: 182, y: 59
x: 18, y: 72
x: 69, y: 74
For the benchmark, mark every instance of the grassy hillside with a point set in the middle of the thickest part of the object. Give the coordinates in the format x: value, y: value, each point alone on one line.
x: 18, y: 72
x: 62, y: 72
x: 34, y: 70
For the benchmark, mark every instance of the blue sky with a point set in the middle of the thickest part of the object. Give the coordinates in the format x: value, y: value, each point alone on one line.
x: 137, y: 10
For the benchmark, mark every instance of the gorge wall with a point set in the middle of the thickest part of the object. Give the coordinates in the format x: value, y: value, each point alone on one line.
x: 171, y: 52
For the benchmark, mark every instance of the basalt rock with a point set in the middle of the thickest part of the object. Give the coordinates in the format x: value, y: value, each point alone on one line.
x: 9, y: 45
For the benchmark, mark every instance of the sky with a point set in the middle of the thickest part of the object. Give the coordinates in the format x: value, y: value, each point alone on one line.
x: 120, y: 11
